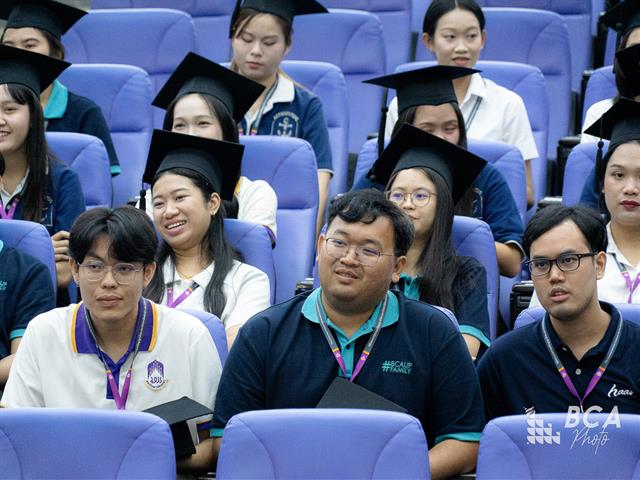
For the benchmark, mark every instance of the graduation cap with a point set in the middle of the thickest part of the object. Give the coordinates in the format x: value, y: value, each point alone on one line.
x: 30, y: 69
x: 196, y: 74
x: 623, y: 17
x: 53, y: 17
x: 620, y: 124
x: 412, y: 147
x: 217, y: 161
x: 176, y: 414
x: 345, y: 394
x: 629, y: 65
x: 285, y: 9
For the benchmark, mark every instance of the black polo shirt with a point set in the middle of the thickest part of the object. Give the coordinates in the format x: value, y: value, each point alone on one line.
x: 517, y: 373
x: 281, y: 359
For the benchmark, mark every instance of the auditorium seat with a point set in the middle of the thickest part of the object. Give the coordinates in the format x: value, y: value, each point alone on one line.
x: 123, y: 93
x: 629, y: 311
x: 580, y: 163
x: 216, y: 329
x: 323, y: 443
x: 289, y: 166
x: 85, y: 155
x: 601, y: 86
x: 353, y: 41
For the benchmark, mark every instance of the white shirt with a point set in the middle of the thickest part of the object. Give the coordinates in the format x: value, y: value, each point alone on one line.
x: 55, y: 367
x: 501, y: 116
x: 612, y: 287
x: 257, y: 203
x: 594, y: 112
x: 246, y: 289
x: 285, y: 92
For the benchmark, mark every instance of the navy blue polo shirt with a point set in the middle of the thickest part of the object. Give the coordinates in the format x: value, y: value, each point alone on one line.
x: 26, y: 290
x: 517, y: 373
x: 281, y: 359
x: 589, y: 197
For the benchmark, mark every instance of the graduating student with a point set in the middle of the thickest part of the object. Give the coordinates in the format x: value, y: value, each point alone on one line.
x: 189, y: 177
x: 208, y: 100
x: 453, y: 30
x: 35, y: 186
x: 117, y: 350
x: 261, y: 36
x: 38, y: 26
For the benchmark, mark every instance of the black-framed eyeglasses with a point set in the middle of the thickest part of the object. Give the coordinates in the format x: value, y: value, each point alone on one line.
x: 367, y: 256
x: 123, y: 273
x: 419, y: 198
x: 566, y: 262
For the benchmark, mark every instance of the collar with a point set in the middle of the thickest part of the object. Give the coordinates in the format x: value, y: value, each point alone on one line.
x: 58, y: 100
x: 171, y: 276
x: 603, y: 346
x: 81, y: 341
x: 1, y: 245
x: 612, y: 249
x: 8, y: 196
x: 285, y: 92
x: 477, y: 88
x: 410, y: 286
x: 390, y: 317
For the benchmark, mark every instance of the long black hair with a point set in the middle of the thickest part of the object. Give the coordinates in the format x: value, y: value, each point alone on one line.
x: 214, y: 247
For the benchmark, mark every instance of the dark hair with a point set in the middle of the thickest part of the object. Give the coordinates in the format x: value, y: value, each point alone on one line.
x: 214, y: 246
x: 465, y: 204
x: 586, y: 219
x: 244, y: 17
x: 366, y: 206
x: 38, y: 161
x: 623, y: 85
x: 1, y: 165
x: 133, y: 238
x: 438, y: 261
x: 56, y: 48
x: 438, y: 8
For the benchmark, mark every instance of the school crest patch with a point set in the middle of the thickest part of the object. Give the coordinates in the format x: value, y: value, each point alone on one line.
x: 155, y: 376
x: 285, y: 124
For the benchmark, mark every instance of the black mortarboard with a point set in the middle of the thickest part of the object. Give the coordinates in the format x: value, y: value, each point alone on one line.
x: 425, y: 86
x: 285, y: 9
x: 54, y: 17
x: 412, y: 147
x: 217, y: 161
x: 196, y: 74
x: 30, y: 69
x: 345, y: 394
x: 176, y: 414
x: 623, y: 17
x: 629, y: 64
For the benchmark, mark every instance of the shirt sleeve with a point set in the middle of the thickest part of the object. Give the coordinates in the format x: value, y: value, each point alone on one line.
x: 94, y: 123
x: 489, y: 375
x: 517, y: 129
x: 257, y: 202
x: 470, y: 291
x: 34, y: 295
x: 315, y: 132
x: 392, y: 117
x: 589, y: 197
x: 70, y: 201
x: 251, y: 295
x: 499, y: 210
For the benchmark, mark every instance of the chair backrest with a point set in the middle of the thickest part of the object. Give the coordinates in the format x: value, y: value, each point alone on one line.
x: 610, y: 47
x: 327, y: 82
x: 395, y: 16
x: 154, y: 39
x: 381, y: 444
x: 69, y: 446
x: 123, y: 93
x: 353, y: 41
x: 216, y: 329
x: 629, y: 311
x: 473, y: 237
x: 31, y: 238
x: 556, y: 445
x: 211, y: 20
x: 580, y: 163
x: 86, y: 155
x: 601, y: 85
x: 254, y: 243
x: 289, y: 166
x: 538, y: 38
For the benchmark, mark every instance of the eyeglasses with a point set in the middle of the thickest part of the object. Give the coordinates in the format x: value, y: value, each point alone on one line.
x: 419, y: 198
x: 367, y: 256
x: 123, y: 273
x: 567, y: 262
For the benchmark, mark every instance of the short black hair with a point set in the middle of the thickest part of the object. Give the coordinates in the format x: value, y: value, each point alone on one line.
x: 586, y: 219
x: 133, y: 238
x: 2, y: 165
x: 366, y: 206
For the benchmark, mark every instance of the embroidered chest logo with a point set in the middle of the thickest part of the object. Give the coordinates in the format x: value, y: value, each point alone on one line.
x: 396, y: 366
x: 155, y: 376
x: 285, y: 124
x: 3, y: 285
x: 614, y: 392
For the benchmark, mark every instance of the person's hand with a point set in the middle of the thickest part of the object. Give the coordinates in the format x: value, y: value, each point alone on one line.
x: 60, y: 242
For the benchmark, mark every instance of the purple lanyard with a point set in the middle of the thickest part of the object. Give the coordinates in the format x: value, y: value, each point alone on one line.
x: 8, y: 215
x: 627, y: 278
x: 183, y: 296
x: 119, y: 397
x: 596, y: 376
x: 335, y: 349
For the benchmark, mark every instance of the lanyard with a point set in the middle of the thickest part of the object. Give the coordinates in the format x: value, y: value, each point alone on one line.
x: 596, y: 376
x: 253, y: 128
x: 472, y: 114
x: 335, y: 349
x: 119, y: 397
x: 8, y: 214
x: 627, y: 278
x: 182, y: 297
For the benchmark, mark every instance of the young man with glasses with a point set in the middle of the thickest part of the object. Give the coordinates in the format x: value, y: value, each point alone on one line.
x: 582, y: 355
x: 353, y: 331
x: 116, y: 350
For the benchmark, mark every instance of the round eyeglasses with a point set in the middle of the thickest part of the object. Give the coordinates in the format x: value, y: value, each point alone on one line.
x: 367, y: 256
x: 123, y: 273
x: 419, y: 198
